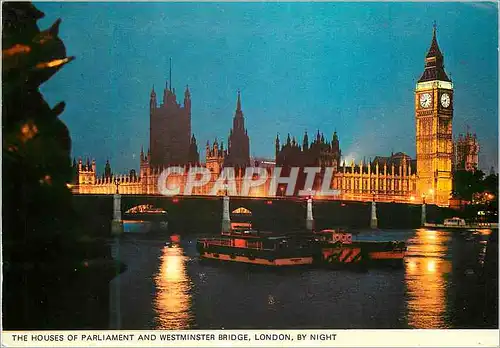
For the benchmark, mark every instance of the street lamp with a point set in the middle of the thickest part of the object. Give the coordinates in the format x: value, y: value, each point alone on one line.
x: 282, y: 189
x: 310, y: 196
x: 373, y: 196
x: 117, y: 183
x: 423, y: 198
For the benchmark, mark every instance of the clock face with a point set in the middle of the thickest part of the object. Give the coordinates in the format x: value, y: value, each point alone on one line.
x: 425, y: 100
x: 445, y: 100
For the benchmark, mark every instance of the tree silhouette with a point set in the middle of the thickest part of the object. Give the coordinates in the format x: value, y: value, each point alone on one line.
x: 36, y: 143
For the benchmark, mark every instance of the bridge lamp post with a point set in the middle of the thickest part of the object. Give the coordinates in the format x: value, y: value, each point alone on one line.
x: 117, y: 183
x: 309, y: 215
x: 373, y: 220
x: 423, y: 217
x: 226, y: 218
x: 117, y: 223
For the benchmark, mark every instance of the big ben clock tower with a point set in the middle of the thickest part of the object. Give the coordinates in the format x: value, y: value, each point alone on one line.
x: 433, y: 116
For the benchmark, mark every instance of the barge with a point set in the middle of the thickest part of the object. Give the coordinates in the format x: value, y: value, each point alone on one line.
x: 339, y: 247
x: 260, y: 248
x: 323, y: 248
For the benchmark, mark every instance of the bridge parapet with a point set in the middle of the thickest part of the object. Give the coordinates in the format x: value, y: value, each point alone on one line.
x: 204, y: 213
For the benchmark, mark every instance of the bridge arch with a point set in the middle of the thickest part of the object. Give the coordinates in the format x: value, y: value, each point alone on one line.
x: 145, y: 209
x: 242, y: 211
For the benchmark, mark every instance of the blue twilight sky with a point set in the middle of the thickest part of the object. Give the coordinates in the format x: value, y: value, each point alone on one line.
x: 350, y: 67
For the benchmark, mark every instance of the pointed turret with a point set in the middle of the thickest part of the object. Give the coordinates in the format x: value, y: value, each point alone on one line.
x: 434, y: 50
x: 152, y: 99
x: 107, y: 170
x: 238, y: 120
x: 165, y: 93
x: 305, y: 141
x: 187, y: 99
x: 238, y: 102
x: 434, y: 62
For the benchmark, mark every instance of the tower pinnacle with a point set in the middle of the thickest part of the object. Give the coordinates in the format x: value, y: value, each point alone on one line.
x: 170, y: 74
x: 238, y: 103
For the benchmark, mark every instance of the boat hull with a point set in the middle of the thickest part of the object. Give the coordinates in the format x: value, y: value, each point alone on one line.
x: 269, y: 257
x: 317, y: 252
x: 294, y: 261
x: 462, y: 227
x: 372, y: 253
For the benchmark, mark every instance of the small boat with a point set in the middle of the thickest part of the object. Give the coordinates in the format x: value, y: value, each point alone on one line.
x: 338, y: 247
x: 457, y: 223
x: 260, y: 248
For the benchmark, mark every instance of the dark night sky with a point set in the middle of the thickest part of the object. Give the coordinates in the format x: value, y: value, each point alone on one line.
x: 350, y: 67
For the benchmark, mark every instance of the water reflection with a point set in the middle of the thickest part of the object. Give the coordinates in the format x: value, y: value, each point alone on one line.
x: 172, y: 299
x: 115, y: 291
x: 425, y: 270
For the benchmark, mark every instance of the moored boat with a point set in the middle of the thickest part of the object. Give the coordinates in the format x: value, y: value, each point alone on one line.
x: 456, y: 223
x: 339, y: 247
x: 254, y: 247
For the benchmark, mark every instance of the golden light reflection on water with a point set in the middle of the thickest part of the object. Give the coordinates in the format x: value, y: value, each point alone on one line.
x: 172, y: 298
x: 425, y: 268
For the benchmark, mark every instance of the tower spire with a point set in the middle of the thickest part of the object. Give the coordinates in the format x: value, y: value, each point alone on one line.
x: 238, y: 103
x: 170, y: 75
x: 434, y: 62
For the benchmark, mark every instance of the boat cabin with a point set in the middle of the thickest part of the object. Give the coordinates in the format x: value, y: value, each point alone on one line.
x: 334, y: 236
x: 455, y: 221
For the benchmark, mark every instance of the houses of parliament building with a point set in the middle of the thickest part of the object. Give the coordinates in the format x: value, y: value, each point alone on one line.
x: 394, y: 178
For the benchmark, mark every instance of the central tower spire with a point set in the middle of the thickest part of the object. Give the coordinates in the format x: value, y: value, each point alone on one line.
x: 238, y: 103
x: 238, y: 154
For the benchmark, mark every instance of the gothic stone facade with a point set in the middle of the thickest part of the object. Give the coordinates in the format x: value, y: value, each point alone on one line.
x: 395, y: 178
x: 466, y: 152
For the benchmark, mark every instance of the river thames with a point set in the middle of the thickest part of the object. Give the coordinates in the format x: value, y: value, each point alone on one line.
x: 166, y: 286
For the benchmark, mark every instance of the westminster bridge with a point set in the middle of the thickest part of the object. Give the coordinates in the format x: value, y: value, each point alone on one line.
x: 199, y: 213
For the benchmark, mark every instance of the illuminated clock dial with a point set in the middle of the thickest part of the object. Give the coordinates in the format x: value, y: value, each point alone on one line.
x: 445, y: 100
x: 425, y: 100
